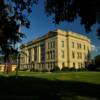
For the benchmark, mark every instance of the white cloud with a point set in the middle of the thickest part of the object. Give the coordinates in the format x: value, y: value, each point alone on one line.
x: 95, y: 48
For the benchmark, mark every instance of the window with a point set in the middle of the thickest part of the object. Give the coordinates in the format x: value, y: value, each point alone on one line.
x: 62, y: 43
x: 72, y: 44
x: 53, y: 54
x: 79, y: 46
x: 85, y: 56
x: 35, y: 54
x: 74, y: 65
x: 50, y: 54
x: 77, y: 55
x: 47, y: 55
x: 30, y: 55
x: 78, y: 64
x: 53, y: 65
x: 63, y: 64
x: 53, y: 44
x: 81, y: 65
x: 80, y: 55
x: 73, y: 54
x: 48, y: 45
x: 62, y: 54
x: 84, y: 47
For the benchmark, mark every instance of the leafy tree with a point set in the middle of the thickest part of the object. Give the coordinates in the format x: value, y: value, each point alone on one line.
x: 13, y: 14
x: 69, y: 10
x: 97, y: 61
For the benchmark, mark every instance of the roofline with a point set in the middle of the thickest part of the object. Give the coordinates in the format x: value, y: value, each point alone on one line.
x: 54, y: 33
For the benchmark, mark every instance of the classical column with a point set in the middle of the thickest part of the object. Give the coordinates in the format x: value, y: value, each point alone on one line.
x: 39, y: 54
x: 32, y: 54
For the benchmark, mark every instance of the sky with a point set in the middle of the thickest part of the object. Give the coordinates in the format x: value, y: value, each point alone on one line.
x: 41, y: 24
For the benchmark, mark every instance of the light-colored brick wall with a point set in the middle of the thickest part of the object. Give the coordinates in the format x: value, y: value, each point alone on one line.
x: 63, y: 48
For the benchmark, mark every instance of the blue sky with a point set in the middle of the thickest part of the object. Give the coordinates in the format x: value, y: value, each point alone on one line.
x: 41, y: 24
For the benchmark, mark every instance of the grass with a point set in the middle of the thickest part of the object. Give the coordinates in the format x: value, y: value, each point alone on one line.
x: 50, y: 86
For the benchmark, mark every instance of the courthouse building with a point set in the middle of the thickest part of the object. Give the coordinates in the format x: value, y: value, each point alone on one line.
x: 56, y: 48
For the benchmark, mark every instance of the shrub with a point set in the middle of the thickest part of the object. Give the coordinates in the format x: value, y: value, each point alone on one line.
x: 65, y: 69
x: 44, y: 70
x: 25, y: 69
x: 81, y: 69
x: 72, y: 69
x: 55, y: 69
x: 98, y: 69
x: 32, y: 69
x: 91, y: 67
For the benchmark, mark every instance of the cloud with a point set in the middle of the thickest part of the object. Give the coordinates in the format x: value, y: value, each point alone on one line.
x: 95, y: 48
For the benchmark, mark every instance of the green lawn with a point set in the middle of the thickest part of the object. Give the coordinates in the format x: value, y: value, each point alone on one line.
x: 50, y: 86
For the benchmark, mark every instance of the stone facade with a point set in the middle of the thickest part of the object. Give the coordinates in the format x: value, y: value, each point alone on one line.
x: 56, y: 48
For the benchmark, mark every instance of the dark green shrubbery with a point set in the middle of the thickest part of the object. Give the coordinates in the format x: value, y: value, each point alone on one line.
x: 37, y: 70
x: 72, y: 69
x: 65, y: 69
x: 55, y: 69
x: 81, y: 69
x: 44, y: 70
x: 34, y: 70
x: 93, y: 67
x: 68, y: 69
x: 25, y: 69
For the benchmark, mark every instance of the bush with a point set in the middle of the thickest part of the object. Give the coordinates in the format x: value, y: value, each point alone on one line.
x: 44, y: 70
x: 72, y: 69
x: 98, y: 69
x: 91, y: 67
x: 55, y: 69
x: 25, y: 69
x: 81, y: 69
x: 65, y: 69
x: 32, y: 69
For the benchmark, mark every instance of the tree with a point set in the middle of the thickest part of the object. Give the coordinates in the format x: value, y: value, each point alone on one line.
x: 13, y: 14
x: 97, y: 60
x: 69, y: 10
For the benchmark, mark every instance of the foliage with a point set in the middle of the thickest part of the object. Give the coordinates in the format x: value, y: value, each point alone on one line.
x: 97, y: 60
x: 72, y: 69
x: 34, y: 70
x: 55, y: 69
x: 81, y: 69
x: 95, y: 64
x: 13, y: 14
x: 12, y: 57
x: 65, y: 69
x: 44, y: 70
x: 24, y: 69
x: 91, y: 67
x: 69, y: 10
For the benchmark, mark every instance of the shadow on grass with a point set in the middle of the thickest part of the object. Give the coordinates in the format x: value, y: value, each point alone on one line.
x: 31, y: 88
